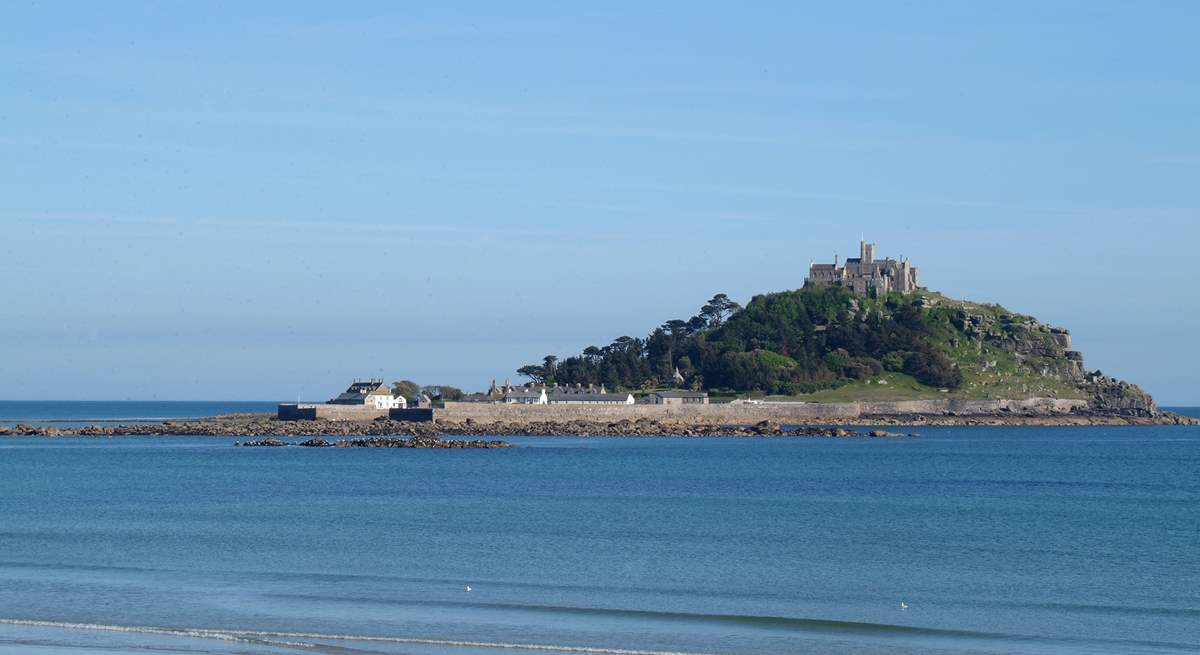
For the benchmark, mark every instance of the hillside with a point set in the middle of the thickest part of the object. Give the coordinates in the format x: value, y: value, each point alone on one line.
x: 825, y: 343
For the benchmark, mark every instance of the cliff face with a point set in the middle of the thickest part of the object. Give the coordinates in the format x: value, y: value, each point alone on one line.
x: 1039, y: 356
x: 1041, y: 349
x: 1110, y: 396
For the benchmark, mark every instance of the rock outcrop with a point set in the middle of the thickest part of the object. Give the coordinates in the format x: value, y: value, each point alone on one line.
x: 272, y: 442
x: 1110, y: 396
x: 419, y: 442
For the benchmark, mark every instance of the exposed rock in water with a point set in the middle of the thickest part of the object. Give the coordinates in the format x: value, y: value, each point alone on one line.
x: 315, y: 442
x: 263, y: 442
x: 767, y: 427
x: 883, y: 433
x: 418, y: 442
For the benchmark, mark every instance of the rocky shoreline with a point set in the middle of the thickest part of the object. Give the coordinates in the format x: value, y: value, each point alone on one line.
x: 259, y: 427
x: 266, y: 431
x: 417, y: 441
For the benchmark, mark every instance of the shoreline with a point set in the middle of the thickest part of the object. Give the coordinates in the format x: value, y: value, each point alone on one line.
x: 265, y: 425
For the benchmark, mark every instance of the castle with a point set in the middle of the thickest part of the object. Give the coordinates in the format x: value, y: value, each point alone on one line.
x: 865, y: 274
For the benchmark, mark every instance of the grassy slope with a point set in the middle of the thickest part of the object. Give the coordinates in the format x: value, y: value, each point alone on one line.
x: 989, y: 372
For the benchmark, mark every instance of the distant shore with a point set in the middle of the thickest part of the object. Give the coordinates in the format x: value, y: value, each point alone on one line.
x: 503, y: 423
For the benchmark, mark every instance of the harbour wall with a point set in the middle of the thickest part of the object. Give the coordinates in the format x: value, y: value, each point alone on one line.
x: 752, y: 412
x: 314, y: 411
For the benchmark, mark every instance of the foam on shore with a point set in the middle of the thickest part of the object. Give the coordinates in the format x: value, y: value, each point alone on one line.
x: 268, y: 637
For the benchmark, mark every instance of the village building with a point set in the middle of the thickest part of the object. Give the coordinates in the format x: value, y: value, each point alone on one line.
x: 536, y: 394
x: 676, y: 398
x: 865, y: 274
x: 526, y: 397
x: 372, y: 393
x: 589, y: 395
x: 362, y: 401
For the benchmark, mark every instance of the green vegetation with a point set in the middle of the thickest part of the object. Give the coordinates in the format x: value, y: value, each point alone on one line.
x: 827, y: 343
x: 411, y: 391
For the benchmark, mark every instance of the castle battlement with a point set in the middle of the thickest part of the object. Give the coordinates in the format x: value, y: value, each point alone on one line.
x: 865, y: 274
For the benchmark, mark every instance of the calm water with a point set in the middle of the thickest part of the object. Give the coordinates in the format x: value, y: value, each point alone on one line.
x: 83, y: 411
x: 999, y: 540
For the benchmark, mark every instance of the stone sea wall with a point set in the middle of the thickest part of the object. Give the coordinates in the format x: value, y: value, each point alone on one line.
x: 750, y: 413
x: 313, y: 411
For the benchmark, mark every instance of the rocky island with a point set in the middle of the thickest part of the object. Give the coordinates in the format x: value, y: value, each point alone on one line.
x: 859, y: 344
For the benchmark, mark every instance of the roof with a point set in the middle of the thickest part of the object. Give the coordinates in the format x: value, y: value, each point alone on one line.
x: 588, y: 397
x: 523, y: 394
x: 368, y: 387
x: 358, y: 392
x: 680, y: 394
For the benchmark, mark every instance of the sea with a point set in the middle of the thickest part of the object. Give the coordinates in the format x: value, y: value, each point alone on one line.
x: 972, y: 540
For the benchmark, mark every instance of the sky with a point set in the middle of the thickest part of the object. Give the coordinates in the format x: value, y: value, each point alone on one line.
x: 262, y: 201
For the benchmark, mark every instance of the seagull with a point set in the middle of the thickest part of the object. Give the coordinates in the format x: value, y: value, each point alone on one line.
x: 469, y: 588
x: 903, y: 605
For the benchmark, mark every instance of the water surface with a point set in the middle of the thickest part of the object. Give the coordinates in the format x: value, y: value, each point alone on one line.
x: 998, y: 540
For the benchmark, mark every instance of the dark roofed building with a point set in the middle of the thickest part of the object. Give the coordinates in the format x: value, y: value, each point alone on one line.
x: 594, y: 398
x: 526, y: 396
x: 677, y: 398
x: 370, y: 392
x: 589, y: 395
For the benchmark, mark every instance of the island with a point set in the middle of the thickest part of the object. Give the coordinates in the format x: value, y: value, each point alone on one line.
x: 860, y: 343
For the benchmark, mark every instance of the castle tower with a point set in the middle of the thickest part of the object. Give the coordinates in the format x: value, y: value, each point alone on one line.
x: 866, y: 252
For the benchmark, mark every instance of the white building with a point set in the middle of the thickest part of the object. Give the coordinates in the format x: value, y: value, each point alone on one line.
x: 526, y: 397
x: 371, y: 393
x: 589, y: 395
x: 560, y: 395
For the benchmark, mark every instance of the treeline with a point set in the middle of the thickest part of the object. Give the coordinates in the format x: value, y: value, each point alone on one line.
x: 781, y: 343
x: 411, y: 391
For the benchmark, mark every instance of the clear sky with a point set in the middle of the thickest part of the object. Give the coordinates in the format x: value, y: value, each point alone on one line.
x: 263, y: 200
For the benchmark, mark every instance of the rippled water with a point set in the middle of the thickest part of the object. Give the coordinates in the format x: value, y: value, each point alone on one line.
x: 78, y: 412
x: 998, y: 540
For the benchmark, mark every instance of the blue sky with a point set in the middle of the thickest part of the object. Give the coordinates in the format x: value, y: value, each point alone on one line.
x: 263, y: 200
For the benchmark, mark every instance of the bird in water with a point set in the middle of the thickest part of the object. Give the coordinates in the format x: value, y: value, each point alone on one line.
x: 468, y: 587
x: 903, y: 605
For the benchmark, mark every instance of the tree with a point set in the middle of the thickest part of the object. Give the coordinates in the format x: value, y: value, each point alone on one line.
x: 534, y: 372
x: 789, y: 342
x: 443, y: 392
x: 549, y: 368
x: 407, y: 388
x: 718, y: 309
x: 676, y: 328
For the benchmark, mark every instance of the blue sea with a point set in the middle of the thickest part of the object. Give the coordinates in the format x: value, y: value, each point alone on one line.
x: 962, y: 540
x: 77, y: 412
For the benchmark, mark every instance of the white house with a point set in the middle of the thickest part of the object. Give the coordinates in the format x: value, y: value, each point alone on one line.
x: 589, y: 395
x: 526, y: 397
x: 371, y: 393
